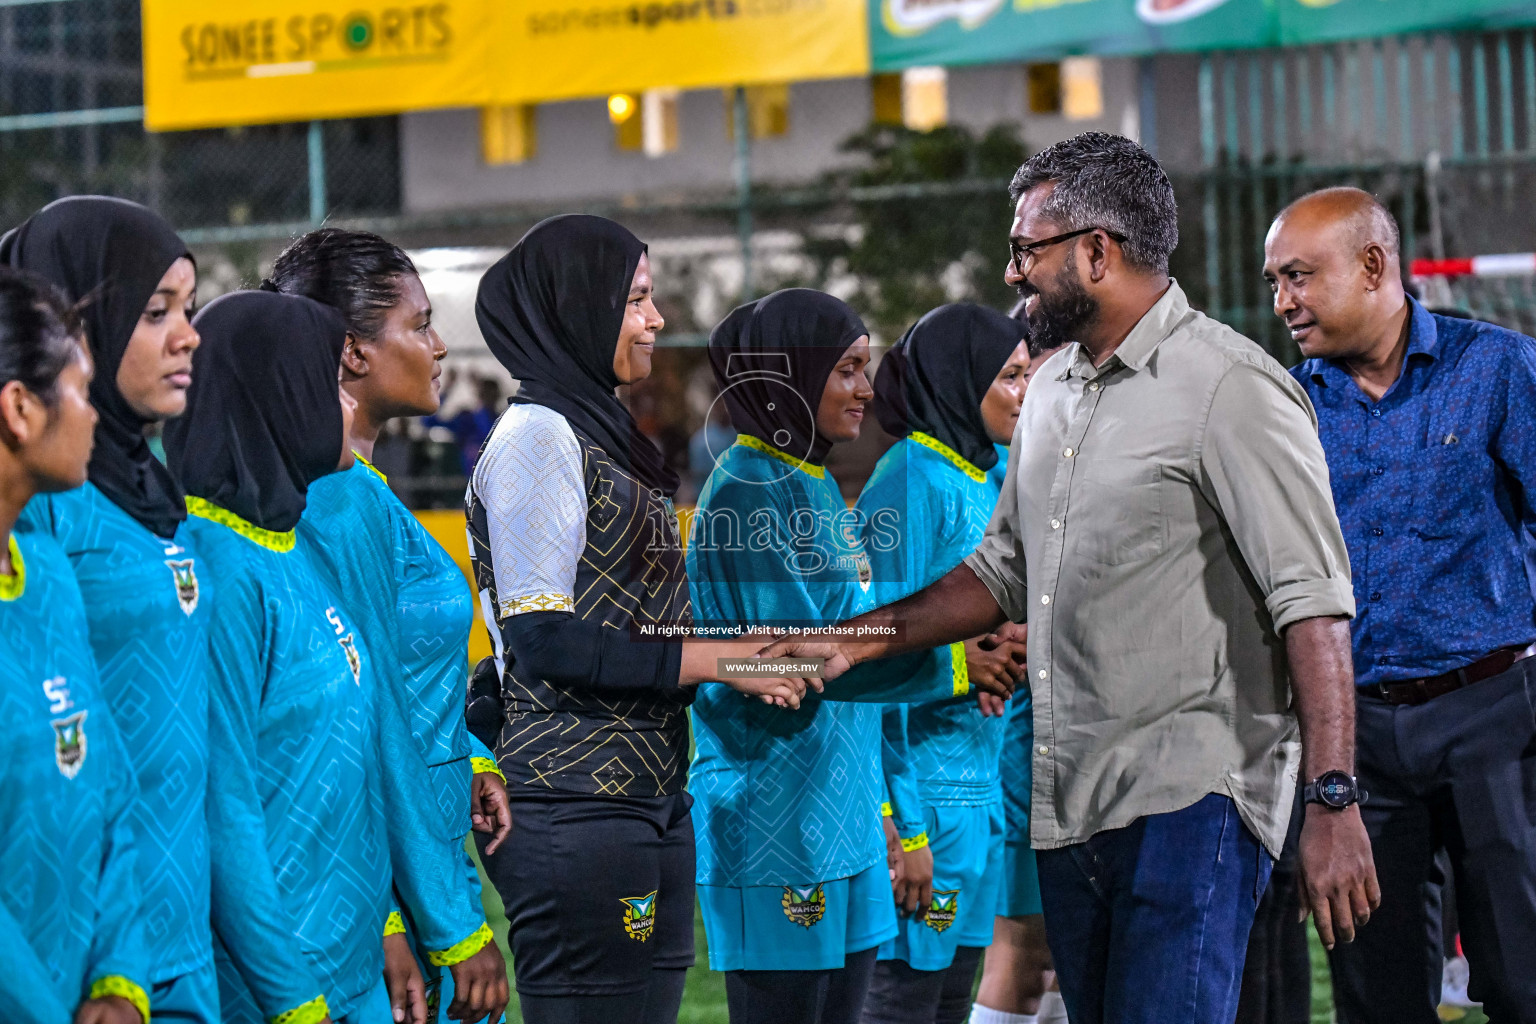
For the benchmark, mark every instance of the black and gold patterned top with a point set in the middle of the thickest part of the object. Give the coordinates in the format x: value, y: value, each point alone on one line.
x: 555, y: 525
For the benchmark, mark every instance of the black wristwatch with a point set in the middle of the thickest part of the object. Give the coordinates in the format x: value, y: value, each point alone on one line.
x: 1333, y: 789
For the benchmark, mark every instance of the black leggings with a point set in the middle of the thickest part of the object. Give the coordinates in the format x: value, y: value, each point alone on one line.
x: 833, y: 996
x: 901, y: 994
x: 575, y: 877
x: 663, y: 996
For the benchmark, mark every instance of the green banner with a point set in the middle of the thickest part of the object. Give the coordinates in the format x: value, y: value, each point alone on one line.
x: 907, y: 33
x: 1322, y: 21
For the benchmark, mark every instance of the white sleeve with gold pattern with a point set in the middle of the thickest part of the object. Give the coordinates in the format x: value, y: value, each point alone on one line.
x: 530, y: 482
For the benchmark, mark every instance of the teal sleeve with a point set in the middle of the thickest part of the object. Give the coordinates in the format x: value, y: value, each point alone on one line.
x: 424, y: 859
x: 478, y: 749
x: 898, y: 776
x: 118, y: 945
x: 248, y: 911
x: 427, y: 870
x: 912, y: 678
x: 901, y: 563
x: 26, y: 987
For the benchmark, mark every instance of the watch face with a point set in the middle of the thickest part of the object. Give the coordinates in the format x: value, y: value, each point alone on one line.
x: 1336, y: 789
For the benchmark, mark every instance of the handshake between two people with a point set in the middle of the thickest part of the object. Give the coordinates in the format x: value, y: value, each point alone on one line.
x: 777, y: 666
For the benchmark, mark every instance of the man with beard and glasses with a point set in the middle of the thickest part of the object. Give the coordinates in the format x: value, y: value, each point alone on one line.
x: 1166, y: 527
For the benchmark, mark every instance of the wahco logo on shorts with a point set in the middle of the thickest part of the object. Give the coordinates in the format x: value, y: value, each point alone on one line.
x: 942, y: 909
x: 362, y: 36
x: 804, y: 904
x: 639, y: 916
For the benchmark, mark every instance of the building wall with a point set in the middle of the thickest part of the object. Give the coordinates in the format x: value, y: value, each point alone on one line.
x: 577, y: 158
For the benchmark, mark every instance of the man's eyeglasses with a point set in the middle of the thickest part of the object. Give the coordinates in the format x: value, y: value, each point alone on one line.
x: 1022, y: 257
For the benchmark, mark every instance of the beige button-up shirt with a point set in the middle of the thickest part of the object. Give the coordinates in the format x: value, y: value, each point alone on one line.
x: 1165, y: 516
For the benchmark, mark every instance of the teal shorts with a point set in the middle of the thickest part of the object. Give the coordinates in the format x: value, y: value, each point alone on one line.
x: 1019, y: 896
x: 809, y: 927
x: 1020, y: 891
x: 967, y: 845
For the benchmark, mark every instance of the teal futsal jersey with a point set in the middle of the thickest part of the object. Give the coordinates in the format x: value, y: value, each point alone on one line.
x: 70, y: 926
x: 940, y: 758
x: 300, y: 859
x: 926, y: 508
x: 148, y: 606
x: 402, y: 585
x: 785, y: 797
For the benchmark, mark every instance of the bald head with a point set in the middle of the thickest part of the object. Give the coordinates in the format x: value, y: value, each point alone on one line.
x: 1333, y: 260
x: 1354, y: 218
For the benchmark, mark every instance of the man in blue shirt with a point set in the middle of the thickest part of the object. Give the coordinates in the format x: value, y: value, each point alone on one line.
x: 1431, y: 445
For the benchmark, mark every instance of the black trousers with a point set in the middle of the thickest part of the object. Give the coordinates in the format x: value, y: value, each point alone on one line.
x: 834, y: 996
x: 599, y: 898
x: 901, y: 994
x: 1456, y: 774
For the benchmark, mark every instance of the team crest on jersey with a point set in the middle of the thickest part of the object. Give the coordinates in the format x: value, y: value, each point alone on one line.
x: 804, y: 904
x: 639, y: 916
x: 861, y: 561
x: 942, y: 909
x: 183, y: 572
x: 354, y: 660
x: 348, y: 645
x: 69, y: 743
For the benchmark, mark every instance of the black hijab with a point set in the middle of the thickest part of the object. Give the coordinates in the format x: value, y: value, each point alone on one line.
x: 933, y: 380
x: 792, y: 338
x: 263, y: 418
x: 550, y: 310
x: 112, y: 253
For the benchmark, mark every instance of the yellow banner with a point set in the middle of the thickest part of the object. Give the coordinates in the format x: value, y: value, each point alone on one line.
x: 254, y: 61
x: 567, y: 49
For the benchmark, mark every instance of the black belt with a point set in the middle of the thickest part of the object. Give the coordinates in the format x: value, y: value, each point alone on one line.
x: 1420, y: 691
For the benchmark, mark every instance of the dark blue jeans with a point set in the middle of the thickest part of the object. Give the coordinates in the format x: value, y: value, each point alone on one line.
x: 1149, y: 923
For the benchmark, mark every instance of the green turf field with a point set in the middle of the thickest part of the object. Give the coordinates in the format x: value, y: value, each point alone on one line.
x: 704, y: 997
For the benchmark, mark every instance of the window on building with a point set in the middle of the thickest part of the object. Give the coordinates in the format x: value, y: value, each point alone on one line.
x: 508, y: 134
x: 1082, y: 88
x: 767, y: 111
x: 917, y: 98
x: 1042, y: 87
x: 646, y: 123
x: 658, y: 121
x: 885, y: 96
x: 924, y: 98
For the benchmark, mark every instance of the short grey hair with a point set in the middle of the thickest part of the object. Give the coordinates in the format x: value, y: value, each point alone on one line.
x: 1107, y: 181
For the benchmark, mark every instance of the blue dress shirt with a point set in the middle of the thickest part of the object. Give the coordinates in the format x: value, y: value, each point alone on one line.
x: 1433, y: 486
